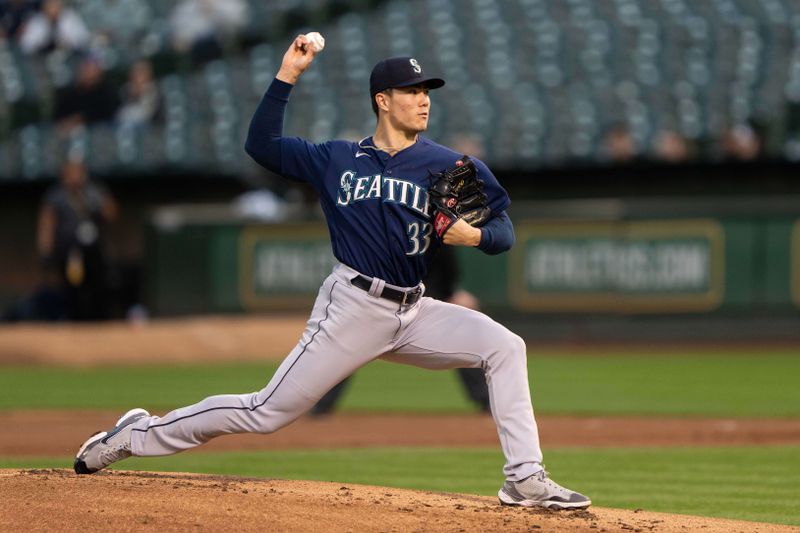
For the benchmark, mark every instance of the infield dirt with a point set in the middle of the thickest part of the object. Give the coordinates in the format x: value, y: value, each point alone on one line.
x: 50, y: 500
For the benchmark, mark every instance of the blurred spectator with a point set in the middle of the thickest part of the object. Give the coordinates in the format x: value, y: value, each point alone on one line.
x: 55, y: 27
x: 71, y: 241
x: 204, y: 27
x: 13, y: 15
x: 620, y: 146
x: 90, y: 99
x: 140, y: 99
x: 741, y: 142
x: 671, y: 147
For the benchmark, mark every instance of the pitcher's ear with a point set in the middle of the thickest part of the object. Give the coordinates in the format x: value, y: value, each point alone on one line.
x: 382, y: 99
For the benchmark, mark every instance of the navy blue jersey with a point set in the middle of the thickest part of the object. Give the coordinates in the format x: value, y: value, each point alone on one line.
x: 376, y: 205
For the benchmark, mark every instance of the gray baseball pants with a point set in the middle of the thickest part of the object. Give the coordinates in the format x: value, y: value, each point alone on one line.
x: 348, y: 328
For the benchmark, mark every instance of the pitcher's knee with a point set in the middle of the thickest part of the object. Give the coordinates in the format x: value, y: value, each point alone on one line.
x: 267, y: 426
x: 269, y: 419
x: 511, y: 346
x: 517, y: 346
x: 274, y: 416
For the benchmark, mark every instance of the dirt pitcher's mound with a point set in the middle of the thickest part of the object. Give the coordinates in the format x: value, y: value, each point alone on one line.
x: 49, y: 500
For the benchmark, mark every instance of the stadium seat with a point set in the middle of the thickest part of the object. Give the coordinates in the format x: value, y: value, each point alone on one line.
x: 537, y: 83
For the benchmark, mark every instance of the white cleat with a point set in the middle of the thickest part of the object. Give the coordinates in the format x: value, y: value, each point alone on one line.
x: 539, y: 490
x: 106, y: 447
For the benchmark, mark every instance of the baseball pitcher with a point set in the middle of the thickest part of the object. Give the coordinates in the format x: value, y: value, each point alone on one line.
x: 390, y: 200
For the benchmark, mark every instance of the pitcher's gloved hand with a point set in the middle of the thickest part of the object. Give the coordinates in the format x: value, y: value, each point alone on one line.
x: 457, y: 193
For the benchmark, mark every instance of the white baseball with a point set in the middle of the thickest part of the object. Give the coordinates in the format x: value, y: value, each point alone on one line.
x: 316, y: 40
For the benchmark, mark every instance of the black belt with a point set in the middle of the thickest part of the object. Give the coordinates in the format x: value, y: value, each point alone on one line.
x: 401, y: 297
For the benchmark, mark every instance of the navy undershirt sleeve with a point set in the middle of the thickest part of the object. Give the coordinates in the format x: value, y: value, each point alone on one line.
x: 266, y: 128
x: 497, y: 235
x: 291, y: 157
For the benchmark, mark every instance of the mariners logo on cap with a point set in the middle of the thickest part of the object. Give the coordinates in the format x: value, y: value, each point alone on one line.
x: 400, y: 71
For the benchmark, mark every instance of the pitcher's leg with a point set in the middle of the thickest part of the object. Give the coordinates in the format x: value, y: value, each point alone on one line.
x: 331, y: 349
x: 327, y: 403
x: 281, y: 402
x: 450, y: 336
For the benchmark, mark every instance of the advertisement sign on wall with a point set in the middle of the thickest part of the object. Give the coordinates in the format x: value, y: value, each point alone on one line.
x: 282, y: 266
x: 624, y: 266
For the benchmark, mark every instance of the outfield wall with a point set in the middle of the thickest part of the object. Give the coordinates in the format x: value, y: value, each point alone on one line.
x: 590, y: 259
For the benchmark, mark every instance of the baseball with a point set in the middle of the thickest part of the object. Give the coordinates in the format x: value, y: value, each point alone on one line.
x: 316, y: 40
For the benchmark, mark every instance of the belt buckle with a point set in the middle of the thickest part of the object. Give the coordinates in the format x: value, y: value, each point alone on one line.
x: 412, y: 292
x: 405, y: 298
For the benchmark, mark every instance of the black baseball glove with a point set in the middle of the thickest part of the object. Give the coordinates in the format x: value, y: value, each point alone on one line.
x: 458, y: 193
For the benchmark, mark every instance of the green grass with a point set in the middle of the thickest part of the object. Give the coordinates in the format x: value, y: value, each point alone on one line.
x: 748, y: 483
x: 763, y: 384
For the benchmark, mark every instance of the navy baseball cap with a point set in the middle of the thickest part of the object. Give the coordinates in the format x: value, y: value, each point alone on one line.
x: 400, y: 72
